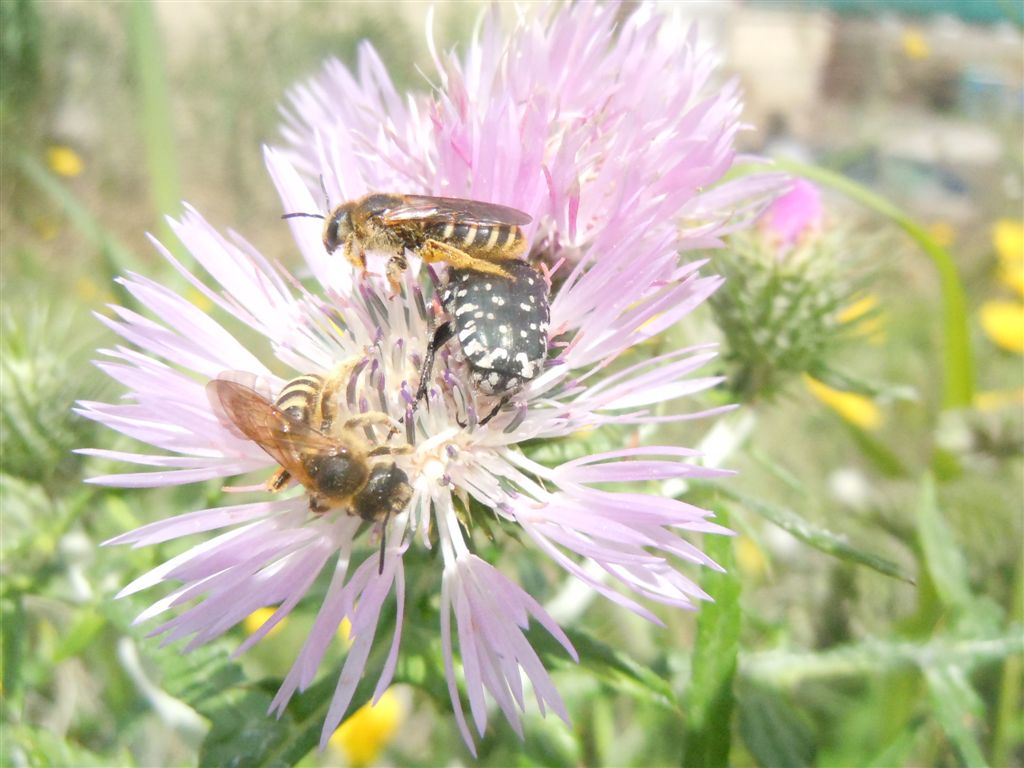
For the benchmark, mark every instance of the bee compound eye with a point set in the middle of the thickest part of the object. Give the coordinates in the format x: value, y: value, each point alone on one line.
x: 336, y: 474
x: 387, y: 491
x: 331, y: 237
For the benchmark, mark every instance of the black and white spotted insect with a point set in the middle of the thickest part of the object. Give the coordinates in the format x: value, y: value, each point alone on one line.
x: 501, y: 324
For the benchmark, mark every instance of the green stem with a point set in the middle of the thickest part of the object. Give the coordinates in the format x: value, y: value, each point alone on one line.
x: 958, y: 381
x: 1008, y: 710
x: 156, y: 114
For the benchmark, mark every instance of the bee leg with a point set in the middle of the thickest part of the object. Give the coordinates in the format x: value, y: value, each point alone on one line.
x: 328, y: 394
x: 396, y: 267
x: 442, y: 335
x: 494, y: 411
x: 354, y: 254
x: 383, y: 541
x: 391, y: 450
x: 368, y: 419
x: 278, y: 480
x: 435, y: 250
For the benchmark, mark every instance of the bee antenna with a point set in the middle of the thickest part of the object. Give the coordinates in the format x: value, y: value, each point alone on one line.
x: 327, y: 198
x: 302, y: 215
x: 383, y: 542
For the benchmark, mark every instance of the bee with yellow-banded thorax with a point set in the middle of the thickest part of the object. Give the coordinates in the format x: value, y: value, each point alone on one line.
x: 467, y: 234
x: 331, y: 456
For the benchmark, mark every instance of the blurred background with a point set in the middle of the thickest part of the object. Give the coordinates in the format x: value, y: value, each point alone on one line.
x: 872, y: 615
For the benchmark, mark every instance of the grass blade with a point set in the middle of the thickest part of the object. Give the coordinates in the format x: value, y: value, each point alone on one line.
x: 156, y: 114
x: 710, y: 699
x: 819, y: 538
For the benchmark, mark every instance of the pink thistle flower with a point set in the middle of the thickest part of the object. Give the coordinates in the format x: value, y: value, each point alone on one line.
x: 795, y: 215
x: 610, y: 138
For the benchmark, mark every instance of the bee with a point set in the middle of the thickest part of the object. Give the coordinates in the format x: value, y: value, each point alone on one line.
x: 501, y: 324
x: 467, y: 234
x: 331, y: 456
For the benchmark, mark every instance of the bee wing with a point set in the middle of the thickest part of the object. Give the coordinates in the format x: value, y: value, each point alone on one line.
x: 436, y: 209
x: 249, y: 415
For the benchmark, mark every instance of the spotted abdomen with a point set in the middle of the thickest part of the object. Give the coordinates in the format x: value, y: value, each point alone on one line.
x: 501, y: 324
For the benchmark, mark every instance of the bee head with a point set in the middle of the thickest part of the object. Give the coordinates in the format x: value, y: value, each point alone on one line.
x: 336, y: 474
x: 337, y: 227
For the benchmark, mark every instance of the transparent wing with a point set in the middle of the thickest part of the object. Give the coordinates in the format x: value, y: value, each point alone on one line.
x: 249, y: 415
x: 437, y: 209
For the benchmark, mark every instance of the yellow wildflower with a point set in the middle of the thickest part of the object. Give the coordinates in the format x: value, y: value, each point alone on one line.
x: 856, y: 409
x: 345, y: 632
x: 942, y: 232
x: 369, y: 729
x: 1003, y: 322
x: 998, y: 399
x: 750, y: 557
x: 861, y: 313
x: 1008, y: 240
x: 915, y: 44
x: 857, y: 309
x: 199, y: 299
x: 64, y: 161
x: 259, y: 617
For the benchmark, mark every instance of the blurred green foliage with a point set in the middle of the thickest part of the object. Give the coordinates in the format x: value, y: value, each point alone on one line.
x: 878, y: 623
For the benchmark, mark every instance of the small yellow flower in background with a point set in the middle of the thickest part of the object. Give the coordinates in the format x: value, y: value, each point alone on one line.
x: 870, y: 326
x: 1008, y: 241
x: 1003, y: 322
x: 199, y: 299
x: 942, y: 232
x: 1012, y: 277
x: 915, y: 44
x: 88, y: 291
x: 345, y: 632
x: 259, y: 617
x: 369, y: 729
x: 852, y: 312
x: 64, y: 161
x: 750, y: 557
x: 998, y: 399
x: 47, y: 227
x: 856, y: 409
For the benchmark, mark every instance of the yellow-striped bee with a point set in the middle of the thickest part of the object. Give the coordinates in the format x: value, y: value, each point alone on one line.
x: 331, y: 456
x: 467, y: 234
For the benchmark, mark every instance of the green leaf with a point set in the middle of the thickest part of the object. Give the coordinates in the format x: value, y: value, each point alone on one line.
x: 862, y: 385
x: 877, y: 452
x: 41, y: 747
x: 242, y: 733
x: 873, y: 657
x: 613, y: 667
x: 819, y: 538
x: 773, y: 730
x: 1009, y: 727
x: 958, y: 709
x: 13, y: 641
x: 942, y: 557
x: 899, y: 751
x: 958, y: 361
x: 82, y: 632
x: 709, y: 698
